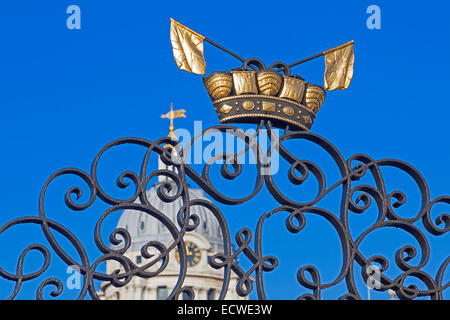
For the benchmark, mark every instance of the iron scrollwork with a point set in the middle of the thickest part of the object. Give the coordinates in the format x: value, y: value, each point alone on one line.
x: 354, y: 199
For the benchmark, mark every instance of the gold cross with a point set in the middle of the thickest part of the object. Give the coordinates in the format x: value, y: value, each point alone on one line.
x: 173, y: 115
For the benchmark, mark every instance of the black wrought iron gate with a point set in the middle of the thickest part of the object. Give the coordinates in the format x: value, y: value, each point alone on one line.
x: 355, y: 198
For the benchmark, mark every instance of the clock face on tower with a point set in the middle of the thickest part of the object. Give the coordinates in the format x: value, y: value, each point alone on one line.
x: 193, y: 254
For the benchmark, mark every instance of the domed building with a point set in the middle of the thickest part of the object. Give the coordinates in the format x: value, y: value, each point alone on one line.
x: 201, y: 243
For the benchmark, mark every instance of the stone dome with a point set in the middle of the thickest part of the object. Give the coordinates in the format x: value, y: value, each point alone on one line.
x: 143, y: 227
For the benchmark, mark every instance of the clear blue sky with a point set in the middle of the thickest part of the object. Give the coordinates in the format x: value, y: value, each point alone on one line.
x: 65, y: 93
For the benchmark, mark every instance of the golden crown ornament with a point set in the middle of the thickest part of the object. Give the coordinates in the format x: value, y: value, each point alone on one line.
x: 254, y: 92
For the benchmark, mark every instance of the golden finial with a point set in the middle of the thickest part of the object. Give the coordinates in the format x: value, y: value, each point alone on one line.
x: 173, y: 115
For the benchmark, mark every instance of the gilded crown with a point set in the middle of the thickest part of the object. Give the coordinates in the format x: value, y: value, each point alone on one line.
x: 244, y: 95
